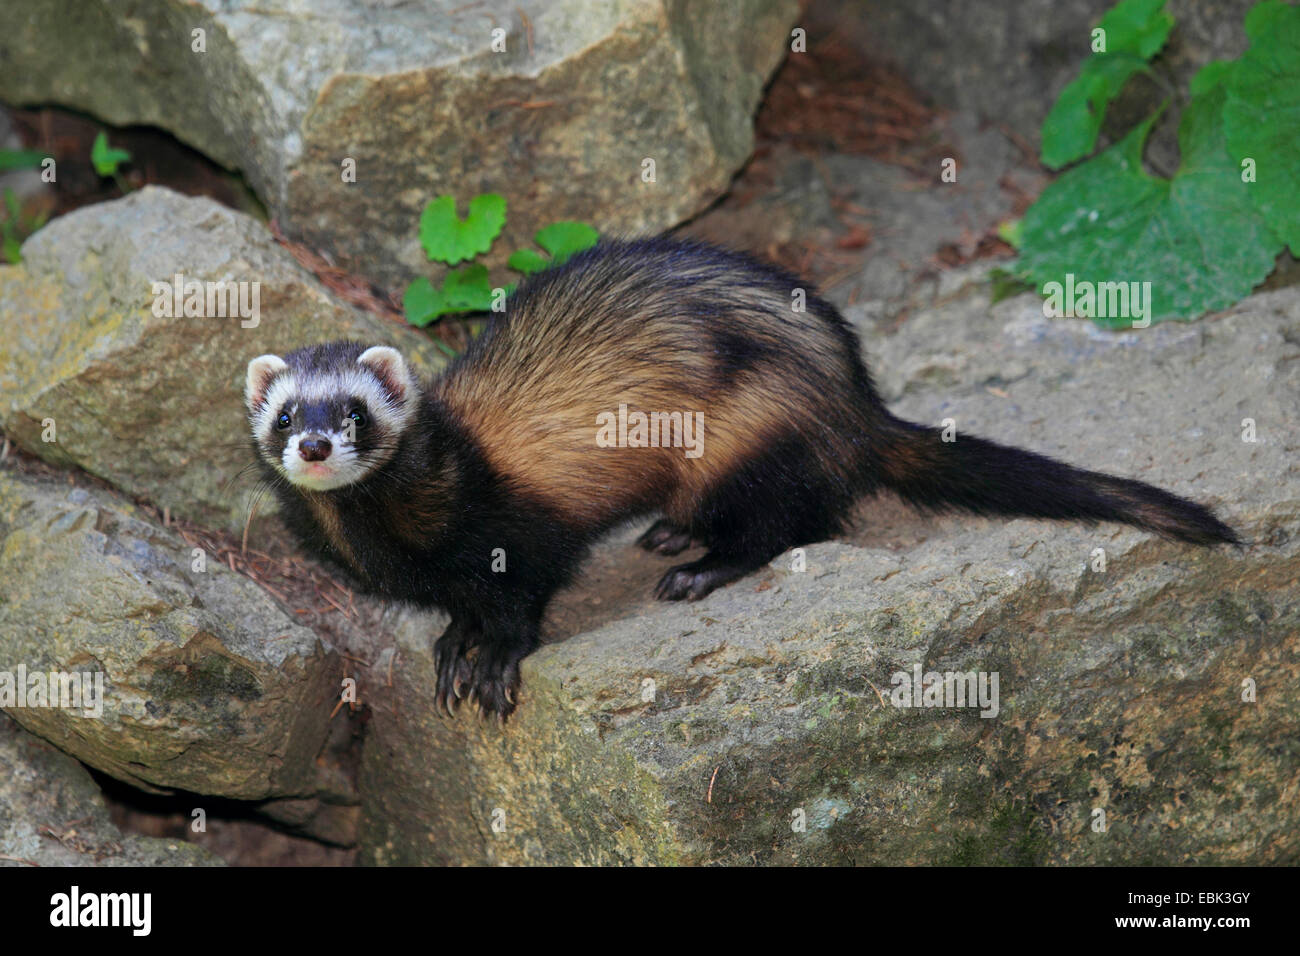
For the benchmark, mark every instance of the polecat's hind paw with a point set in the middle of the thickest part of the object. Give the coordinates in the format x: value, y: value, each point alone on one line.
x: 665, y: 537
x: 694, y: 580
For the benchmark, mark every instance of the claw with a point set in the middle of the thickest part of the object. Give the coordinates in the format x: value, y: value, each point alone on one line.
x: 458, y: 687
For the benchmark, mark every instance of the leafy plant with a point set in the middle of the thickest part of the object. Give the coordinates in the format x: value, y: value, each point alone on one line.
x: 1131, y: 33
x: 106, y: 159
x: 560, y: 239
x: 16, y: 226
x: 449, y: 239
x: 1005, y: 284
x: 464, y: 290
x: 1210, y: 233
x: 1198, y: 232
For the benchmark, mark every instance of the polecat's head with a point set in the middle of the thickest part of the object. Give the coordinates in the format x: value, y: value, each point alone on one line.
x: 326, y: 416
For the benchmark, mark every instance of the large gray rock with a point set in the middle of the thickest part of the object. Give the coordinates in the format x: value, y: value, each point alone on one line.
x: 207, y: 684
x: 559, y: 123
x: 757, y: 725
x: 52, y: 814
x: 153, y: 403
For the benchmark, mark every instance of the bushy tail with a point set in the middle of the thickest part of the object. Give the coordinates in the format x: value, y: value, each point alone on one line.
x: 983, y: 477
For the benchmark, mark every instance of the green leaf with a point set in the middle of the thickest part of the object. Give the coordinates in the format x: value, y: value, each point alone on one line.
x: 467, y: 289
x: 564, y: 239
x: 11, y: 247
x: 421, y: 302
x: 1010, y: 232
x: 1211, y: 75
x: 12, y: 205
x: 1135, y: 32
x: 561, y: 239
x: 464, y: 290
x: 1139, y: 27
x: 526, y: 261
x: 1262, y: 115
x: 450, y: 239
x: 20, y: 159
x: 106, y: 159
x: 1197, y: 238
x: 1071, y: 128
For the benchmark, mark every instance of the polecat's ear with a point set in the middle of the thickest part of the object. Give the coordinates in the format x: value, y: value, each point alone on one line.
x: 390, y: 368
x: 260, y: 372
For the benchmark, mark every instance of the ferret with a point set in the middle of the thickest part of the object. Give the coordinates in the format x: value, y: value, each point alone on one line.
x: 480, y: 493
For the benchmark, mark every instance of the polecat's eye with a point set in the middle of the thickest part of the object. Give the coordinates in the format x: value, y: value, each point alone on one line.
x: 284, y: 421
x: 358, y: 417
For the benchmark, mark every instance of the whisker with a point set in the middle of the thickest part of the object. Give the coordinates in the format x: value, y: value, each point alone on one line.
x: 228, y: 485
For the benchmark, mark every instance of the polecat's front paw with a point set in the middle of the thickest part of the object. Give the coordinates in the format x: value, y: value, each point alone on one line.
x: 494, y: 684
x: 478, y: 671
x: 451, y: 655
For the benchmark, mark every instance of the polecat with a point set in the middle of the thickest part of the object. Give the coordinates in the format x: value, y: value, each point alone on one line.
x: 481, y: 492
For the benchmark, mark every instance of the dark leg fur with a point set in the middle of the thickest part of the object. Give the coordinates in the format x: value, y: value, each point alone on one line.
x: 495, y: 676
x: 496, y: 613
x: 777, y: 500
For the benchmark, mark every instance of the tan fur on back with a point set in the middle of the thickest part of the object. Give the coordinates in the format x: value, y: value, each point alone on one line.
x: 579, y: 348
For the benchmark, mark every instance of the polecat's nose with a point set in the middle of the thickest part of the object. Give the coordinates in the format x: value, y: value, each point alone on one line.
x: 314, y: 449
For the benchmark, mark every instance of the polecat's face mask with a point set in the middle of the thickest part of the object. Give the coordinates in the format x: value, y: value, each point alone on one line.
x: 324, y: 424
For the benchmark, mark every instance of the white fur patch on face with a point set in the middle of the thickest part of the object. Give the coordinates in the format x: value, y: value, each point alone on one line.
x: 340, y: 469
